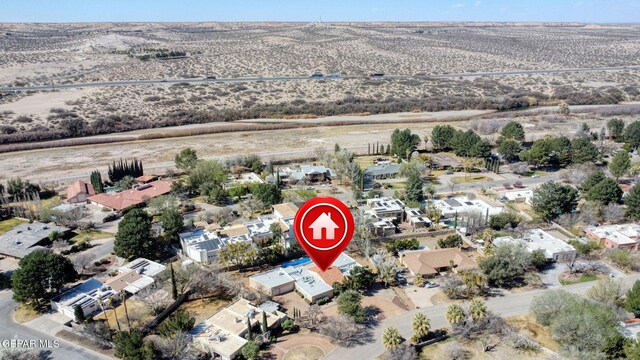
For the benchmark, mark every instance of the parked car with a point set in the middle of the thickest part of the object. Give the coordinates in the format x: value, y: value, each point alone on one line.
x: 310, y: 188
x: 431, y: 284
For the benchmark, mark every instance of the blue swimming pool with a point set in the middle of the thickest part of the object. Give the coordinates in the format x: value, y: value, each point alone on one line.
x: 301, y: 261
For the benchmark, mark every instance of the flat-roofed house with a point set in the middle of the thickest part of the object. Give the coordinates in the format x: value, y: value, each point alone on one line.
x: 536, y: 239
x: 25, y: 238
x: 87, y: 295
x: 620, y: 236
x: 382, y: 170
x: 462, y: 205
x: 387, y: 207
x: 417, y: 218
x: 79, y: 192
x: 223, y: 334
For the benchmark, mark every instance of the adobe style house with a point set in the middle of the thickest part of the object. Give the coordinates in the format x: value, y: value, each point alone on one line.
x: 79, y: 192
x: 132, y: 197
x: 621, y: 236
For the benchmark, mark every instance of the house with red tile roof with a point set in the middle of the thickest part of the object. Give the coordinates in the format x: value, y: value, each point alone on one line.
x: 132, y: 197
x: 79, y: 192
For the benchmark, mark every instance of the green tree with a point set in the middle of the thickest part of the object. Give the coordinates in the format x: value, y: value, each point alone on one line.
x: 403, y: 143
x: 620, y: 164
x: 172, y: 221
x: 468, y: 143
x: 450, y: 241
x: 350, y: 304
x: 455, y: 315
x: 583, y: 150
x: 235, y: 253
x: 391, y: 338
x: 632, y: 134
x: 78, y: 314
x: 553, y: 199
x: 510, y: 149
x: 632, y: 303
x: 268, y: 194
x: 608, y: 292
x: 179, y: 321
x: 513, y: 130
x: 507, y: 265
x: 421, y: 327
x: 360, y: 278
x: 632, y: 200
x: 253, y: 162
x: 592, y: 180
x: 605, y: 192
x: 616, y: 128
x: 395, y: 246
x: 561, y: 150
x: 538, y: 259
x: 186, y: 159
x: 134, y: 238
x: 504, y: 219
x: 130, y: 345
x: 413, y: 190
x: 477, y: 310
x: 251, y: 350
x: 207, y: 172
x: 441, y: 137
x: 40, y: 277
x: 96, y: 181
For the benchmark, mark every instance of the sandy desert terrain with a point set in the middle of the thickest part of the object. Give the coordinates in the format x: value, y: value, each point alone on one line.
x: 81, y: 53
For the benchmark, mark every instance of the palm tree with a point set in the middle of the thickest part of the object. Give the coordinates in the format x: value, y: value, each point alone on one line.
x: 391, y: 338
x: 106, y: 319
x: 477, y: 309
x: 473, y: 279
x: 111, y: 303
x: 455, y: 315
x: 421, y: 326
x: 126, y: 311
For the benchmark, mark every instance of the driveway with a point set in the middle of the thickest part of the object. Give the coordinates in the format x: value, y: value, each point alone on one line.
x: 551, y: 274
x: 10, y: 330
x: 100, y: 249
x: 506, y: 306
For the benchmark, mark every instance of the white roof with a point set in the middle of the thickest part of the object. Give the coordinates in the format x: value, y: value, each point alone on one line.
x: 518, y: 194
x: 144, y: 267
x: 462, y: 204
x: 537, y: 239
x: 385, y: 204
x: 620, y: 234
x: 85, y: 294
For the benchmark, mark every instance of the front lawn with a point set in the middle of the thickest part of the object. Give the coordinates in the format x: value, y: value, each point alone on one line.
x: 469, y: 179
x: 6, y: 225
x: 91, y: 234
x: 572, y: 279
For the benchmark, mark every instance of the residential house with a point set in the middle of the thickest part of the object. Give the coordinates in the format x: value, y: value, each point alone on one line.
x: 89, y: 295
x: 132, y: 197
x: 223, y: 334
x: 305, y: 278
x: 441, y: 161
x: 28, y: 237
x: 382, y: 170
x: 145, y: 179
x: 386, y: 207
x: 79, y: 192
x: 463, y: 205
x: 621, y: 236
x: 417, y: 218
x: 519, y: 196
x: 303, y: 174
x: 430, y: 263
x: 554, y: 248
x: 135, y: 276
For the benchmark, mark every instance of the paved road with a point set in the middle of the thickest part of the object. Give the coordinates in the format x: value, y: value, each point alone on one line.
x: 302, y: 78
x: 443, y: 188
x: 10, y: 330
x: 508, y: 305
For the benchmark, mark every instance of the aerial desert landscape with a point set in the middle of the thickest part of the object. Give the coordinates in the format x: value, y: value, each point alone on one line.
x: 307, y: 190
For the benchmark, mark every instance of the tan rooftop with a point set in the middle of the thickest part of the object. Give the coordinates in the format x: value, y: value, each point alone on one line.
x: 431, y: 262
x: 286, y: 210
x: 235, y: 230
x: 121, y: 281
x: 330, y: 276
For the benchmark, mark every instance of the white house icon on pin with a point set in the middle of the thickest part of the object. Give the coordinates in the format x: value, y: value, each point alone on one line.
x: 323, y: 222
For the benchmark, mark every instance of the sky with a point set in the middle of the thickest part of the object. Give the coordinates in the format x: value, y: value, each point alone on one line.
x: 592, y: 11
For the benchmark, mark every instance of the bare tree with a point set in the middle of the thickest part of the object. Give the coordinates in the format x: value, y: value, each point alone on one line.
x: 345, y: 331
x: 403, y: 351
x: 312, y: 319
x: 613, y: 213
x: 177, y: 347
x: 81, y: 262
x: 451, y: 185
x: 154, y: 297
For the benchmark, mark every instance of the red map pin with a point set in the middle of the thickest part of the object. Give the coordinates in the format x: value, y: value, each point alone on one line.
x: 323, y: 227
